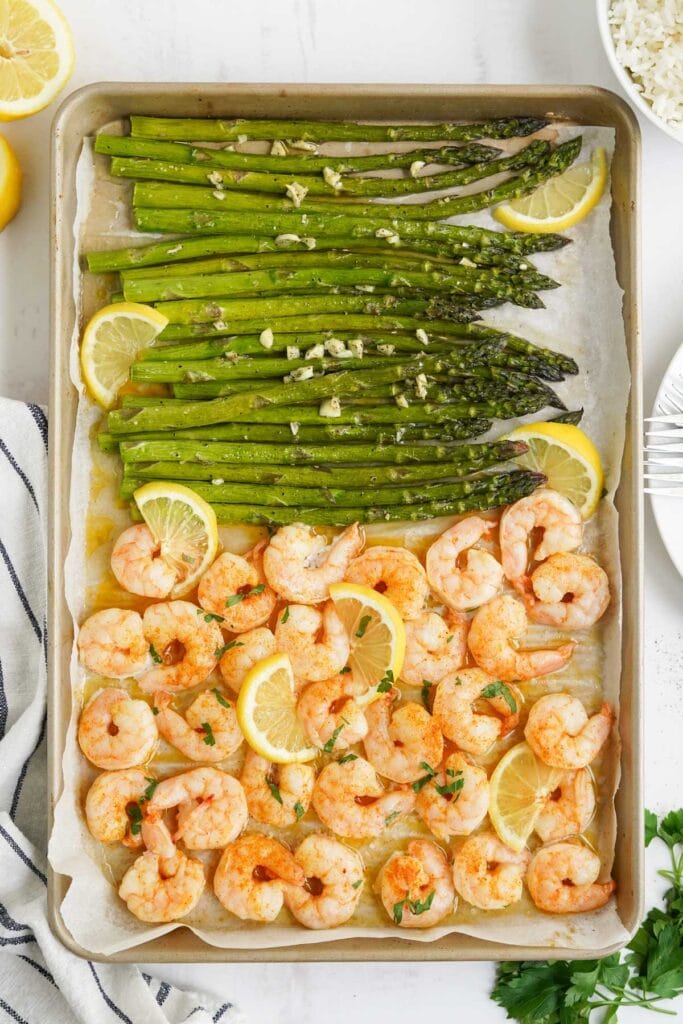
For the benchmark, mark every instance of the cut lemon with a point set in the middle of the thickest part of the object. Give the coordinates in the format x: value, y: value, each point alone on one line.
x: 519, y: 787
x: 560, y: 202
x: 569, y: 459
x: 184, y: 526
x: 266, y: 712
x: 10, y: 183
x: 36, y: 56
x: 375, y: 630
x: 111, y: 342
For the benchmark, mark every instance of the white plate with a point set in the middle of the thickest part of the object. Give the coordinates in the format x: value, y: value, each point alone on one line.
x: 668, y: 512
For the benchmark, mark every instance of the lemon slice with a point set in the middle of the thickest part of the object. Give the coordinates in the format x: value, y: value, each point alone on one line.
x: 36, y: 56
x: 569, y: 459
x: 185, y: 528
x: 10, y: 183
x: 560, y: 202
x: 266, y: 712
x: 111, y: 342
x: 375, y: 630
x: 519, y: 787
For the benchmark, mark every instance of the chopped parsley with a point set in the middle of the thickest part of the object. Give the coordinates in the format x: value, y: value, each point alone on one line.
x: 391, y: 818
x: 357, y: 884
x: 149, y: 792
x: 385, y: 685
x: 424, y: 692
x: 220, y: 651
x: 299, y: 810
x: 347, y: 757
x: 363, y: 625
x: 274, y: 790
x: 420, y: 783
x: 156, y: 657
x: 285, y: 615
x: 236, y: 598
x: 451, y: 788
x: 134, y: 812
x: 219, y: 697
x: 343, y: 671
x: 329, y: 746
x: 499, y: 689
x: 414, y: 906
x: 209, y: 616
x: 209, y: 737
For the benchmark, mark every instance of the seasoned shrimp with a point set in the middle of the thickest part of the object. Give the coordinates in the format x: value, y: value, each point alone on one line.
x: 400, y: 742
x: 491, y: 640
x: 488, y: 874
x: 468, y: 717
x: 212, y: 807
x: 351, y: 801
x: 329, y: 709
x: 560, y: 732
x: 464, y: 576
x: 116, y: 731
x: 435, y: 647
x: 235, y: 588
x: 416, y: 887
x: 333, y: 883
x: 569, y: 591
x: 243, y: 652
x: 277, y: 794
x: 315, y: 641
x: 109, y: 800
x: 158, y: 889
x: 300, y: 566
x: 455, y: 801
x: 208, y: 731
x: 545, y: 510
x: 139, y: 566
x: 562, y: 879
x: 252, y: 875
x: 396, y: 573
x: 568, y: 810
x: 112, y: 643
x: 185, y: 644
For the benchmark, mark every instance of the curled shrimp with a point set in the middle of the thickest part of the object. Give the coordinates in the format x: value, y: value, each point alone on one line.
x: 117, y: 731
x: 416, y: 887
x: 243, y: 652
x: 495, y: 628
x: 300, y: 566
x: 331, y: 713
x: 435, y: 647
x: 455, y: 800
x: 208, y: 731
x: 545, y: 510
x: 569, y: 591
x: 235, y: 588
x: 569, y: 809
x: 401, y: 741
x: 212, y: 807
x: 463, y: 575
x: 333, y: 882
x: 562, y: 879
x: 158, y: 889
x: 560, y: 732
x: 108, y: 802
x: 277, y: 794
x: 112, y: 643
x: 139, y: 566
x: 351, y: 801
x: 394, y: 572
x: 185, y: 646
x: 488, y: 874
x: 474, y: 710
x: 315, y: 641
x: 252, y: 875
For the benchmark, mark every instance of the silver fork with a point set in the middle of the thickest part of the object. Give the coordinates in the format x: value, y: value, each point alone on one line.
x: 664, y: 445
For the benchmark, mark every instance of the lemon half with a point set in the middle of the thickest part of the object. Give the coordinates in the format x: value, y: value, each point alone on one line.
x: 266, y: 712
x: 36, y: 56
x: 519, y: 788
x: 112, y: 341
x: 376, y: 633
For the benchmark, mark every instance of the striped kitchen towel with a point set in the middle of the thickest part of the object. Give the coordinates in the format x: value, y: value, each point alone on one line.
x: 40, y: 980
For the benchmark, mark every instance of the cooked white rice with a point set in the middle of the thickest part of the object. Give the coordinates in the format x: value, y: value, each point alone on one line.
x: 648, y: 40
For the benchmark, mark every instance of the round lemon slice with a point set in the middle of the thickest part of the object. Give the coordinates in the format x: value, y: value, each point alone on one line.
x: 560, y: 202
x: 10, y: 183
x: 376, y: 634
x: 185, y: 528
x: 111, y: 342
x: 36, y: 56
x: 266, y: 712
x: 569, y: 459
x: 519, y: 787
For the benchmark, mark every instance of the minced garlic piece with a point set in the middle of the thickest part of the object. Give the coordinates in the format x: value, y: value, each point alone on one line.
x: 464, y: 262
x: 335, y: 346
x: 315, y: 352
x: 330, y: 407
x: 293, y: 352
x: 296, y: 192
x: 220, y: 325
x: 310, y: 243
x: 216, y: 178
x: 386, y: 350
x: 218, y: 481
x: 401, y: 401
x: 333, y: 178
x: 302, y: 144
x: 278, y: 148
x: 416, y: 166
x: 421, y: 385
x: 422, y: 336
x: 266, y: 338
x: 383, y: 233
x: 355, y: 347
x: 218, y: 194
x: 301, y: 373
x: 287, y: 239
x: 294, y: 427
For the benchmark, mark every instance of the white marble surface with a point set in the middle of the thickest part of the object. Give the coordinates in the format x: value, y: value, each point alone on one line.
x: 455, y: 41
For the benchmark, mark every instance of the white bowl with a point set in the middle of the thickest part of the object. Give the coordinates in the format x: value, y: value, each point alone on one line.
x: 636, y: 98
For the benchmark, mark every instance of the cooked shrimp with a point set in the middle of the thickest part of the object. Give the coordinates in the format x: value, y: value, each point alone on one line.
x: 396, y: 573
x: 329, y: 709
x: 463, y: 711
x: 416, y: 887
x: 333, y: 883
x: 562, y: 879
x: 251, y: 877
x: 160, y: 890
x: 185, y: 644
x: 139, y: 566
x: 560, y: 732
x: 243, y: 652
x: 235, y: 588
x: 315, y: 641
x: 401, y: 741
x: 545, y: 510
x: 491, y: 640
x: 109, y: 800
x: 116, y: 731
x: 488, y: 874
x: 435, y: 647
x: 112, y: 643
x: 351, y: 801
x: 569, y: 591
x: 300, y: 566
x: 277, y: 794
x: 212, y: 807
x: 567, y: 811
x: 208, y: 730
x: 464, y: 576
x: 456, y: 800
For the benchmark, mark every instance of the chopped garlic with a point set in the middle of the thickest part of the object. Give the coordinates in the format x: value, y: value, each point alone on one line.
x: 416, y: 166
x: 278, y: 148
x: 304, y: 219
x: 524, y: 266
x: 394, y: 240
x: 365, y: 288
x: 293, y: 352
x: 216, y: 178
x: 335, y: 346
x: 218, y: 194
x: 398, y: 436
x: 316, y: 352
x: 307, y: 147
x: 286, y: 239
x: 310, y: 243
x: 386, y: 350
x: 422, y: 336
x: 195, y: 376
x: 356, y: 348
x: 333, y: 178
x: 294, y: 427
x: 174, y: 250
x: 242, y: 138
x: 383, y: 233
x: 330, y: 407
x: 296, y: 192
x: 301, y: 373
x: 220, y: 325
x: 266, y: 338
x: 421, y: 385
x: 218, y: 481
x: 231, y: 357
x: 401, y: 401
x: 464, y: 262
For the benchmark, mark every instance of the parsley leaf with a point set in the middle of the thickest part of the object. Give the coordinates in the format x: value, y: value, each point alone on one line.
x: 329, y: 746
x: 209, y: 738
x: 421, y: 783
x: 499, y: 689
x: 385, y: 684
x: 285, y: 615
x: 236, y: 598
x: 299, y: 810
x: 149, y: 792
x: 391, y: 818
x: 357, y: 884
x: 414, y: 906
x: 134, y: 812
x: 424, y: 693
x: 220, y: 651
x: 347, y: 757
x: 219, y: 697
x: 275, y: 791
x: 451, y: 788
x: 209, y: 616
x: 343, y: 671
x: 363, y: 625
x: 156, y: 657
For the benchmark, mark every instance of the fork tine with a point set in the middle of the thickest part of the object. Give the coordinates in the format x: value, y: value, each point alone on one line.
x: 663, y: 433
x: 664, y: 492
x: 666, y: 417
x: 651, y: 452
x: 669, y: 478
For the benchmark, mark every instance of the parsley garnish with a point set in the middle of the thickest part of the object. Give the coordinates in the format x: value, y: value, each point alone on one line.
x: 343, y: 671
x: 424, y: 692
x: 357, y: 884
x: 385, y: 684
x: 499, y: 689
x: 219, y: 697
x: 134, y: 813
x: 155, y: 710
x: 285, y: 615
x: 299, y: 810
x: 209, y: 737
x: 451, y: 787
x: 149, y: 792
x: 347, y: 757
x: 390, y: 818
x: 236, y: 598
x: 363, y: 625
x: 420, y: 783
x: 414, y: 906
x: 156, y: 657
x: 188, y: 559
x: 209, y: 616
x: 329, y: 746
x: 275, y: 791
x: 220, y: 651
